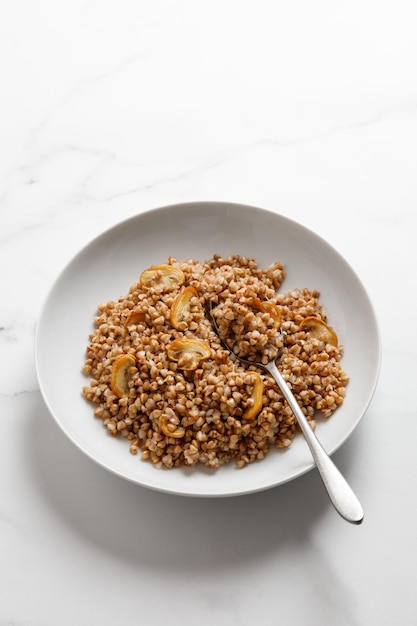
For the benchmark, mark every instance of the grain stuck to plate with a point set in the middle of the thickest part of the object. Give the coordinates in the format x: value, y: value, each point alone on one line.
x: 161, y: 378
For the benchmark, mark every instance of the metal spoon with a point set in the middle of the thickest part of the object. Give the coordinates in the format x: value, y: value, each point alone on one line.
x: 340, y: 493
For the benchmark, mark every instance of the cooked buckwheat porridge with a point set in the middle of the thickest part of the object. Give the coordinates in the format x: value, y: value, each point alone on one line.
x: 161, y: 377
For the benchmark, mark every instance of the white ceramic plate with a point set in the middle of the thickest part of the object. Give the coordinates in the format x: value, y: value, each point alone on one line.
x: 110, y: 264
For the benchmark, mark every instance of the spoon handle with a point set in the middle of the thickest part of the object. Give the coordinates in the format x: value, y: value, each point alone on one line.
x: 340, y: 493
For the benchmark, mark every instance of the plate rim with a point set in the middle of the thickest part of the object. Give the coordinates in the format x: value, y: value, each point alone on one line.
x: 199, y: 205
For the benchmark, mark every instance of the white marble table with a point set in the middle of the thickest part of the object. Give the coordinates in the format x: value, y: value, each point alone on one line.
x: 109, y: 109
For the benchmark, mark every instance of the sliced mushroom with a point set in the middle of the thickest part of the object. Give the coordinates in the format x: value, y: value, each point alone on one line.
x: 170, y: 429
x: 266, y: 306
x: 257, y: 393
x: 180, y: 309
x: 319, y: 330
x: 189, y: 352
x: 120, y: 374
x: 161, y: 275
x: 136, y: 316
